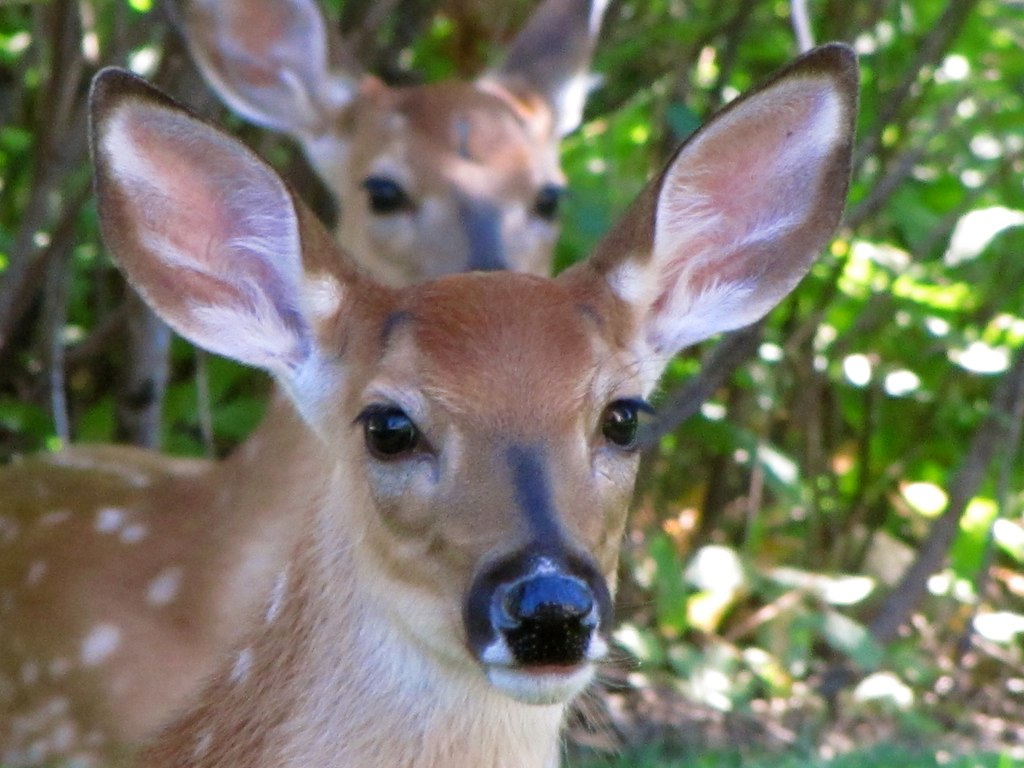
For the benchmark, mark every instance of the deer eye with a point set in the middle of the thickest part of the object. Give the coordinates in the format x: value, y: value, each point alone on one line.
x: 620, y: 422
x: 547, y: 202
x: 386, y: 195
x: 389, y: 432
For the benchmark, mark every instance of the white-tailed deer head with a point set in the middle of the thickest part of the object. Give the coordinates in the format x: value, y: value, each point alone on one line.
x: 450, y: 592
x: 431, y: 179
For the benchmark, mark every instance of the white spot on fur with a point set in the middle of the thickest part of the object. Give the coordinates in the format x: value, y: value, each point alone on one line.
x: 202, y: 745
x: 62, y: 737
x: 29, y: 673
x: 277, y: 597
x: 165, y: 587
x: 57, y: 706
x: 100, y: 644
x: 95, y: 739
x: 59, y: 667
x: 37, y: 752
x: 109, y: 519
x: 8, y: 529
x: 134, y: 533
x: 243, y: 665
x: 51, y: 519
x: 36, y: 571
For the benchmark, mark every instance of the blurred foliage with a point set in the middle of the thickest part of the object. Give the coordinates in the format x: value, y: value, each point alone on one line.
x: 768, y: 527
x: 883, y: 756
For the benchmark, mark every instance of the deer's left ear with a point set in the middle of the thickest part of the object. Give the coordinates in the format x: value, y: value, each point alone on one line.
x: 269, y: 60
x: 551, y: 57
x: 740, y: 213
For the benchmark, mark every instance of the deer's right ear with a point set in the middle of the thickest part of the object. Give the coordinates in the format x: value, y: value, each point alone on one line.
x: 204, y: 229
x: 740, y: 213
x: 551, y: 57
x: 269, y: 60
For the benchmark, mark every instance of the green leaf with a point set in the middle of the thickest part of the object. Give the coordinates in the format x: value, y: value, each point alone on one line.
x: 670, y: 591
x: 851, y: 638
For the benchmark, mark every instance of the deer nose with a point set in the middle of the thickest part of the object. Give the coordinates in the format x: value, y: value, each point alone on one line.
x: 548, y: 619
x: 482, y: 225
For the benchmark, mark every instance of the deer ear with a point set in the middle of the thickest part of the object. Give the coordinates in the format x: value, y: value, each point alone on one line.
x: 551, y: 58
x: 269, y: 60
x: 740, y: 213
x: 204, y: 229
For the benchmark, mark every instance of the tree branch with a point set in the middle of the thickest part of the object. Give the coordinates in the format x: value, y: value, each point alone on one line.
x: 989, y: 438
x: 928, y: 53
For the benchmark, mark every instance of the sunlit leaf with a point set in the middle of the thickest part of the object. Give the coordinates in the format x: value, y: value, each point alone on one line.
x: 1009, y: 536
x: 851, y: 638
x: 926, y: 498
x: 968, y: 552
x: 670, y: 592
x: 884, y: 687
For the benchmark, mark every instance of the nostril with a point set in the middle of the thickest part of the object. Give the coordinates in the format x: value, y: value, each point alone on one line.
x: 549, y: 599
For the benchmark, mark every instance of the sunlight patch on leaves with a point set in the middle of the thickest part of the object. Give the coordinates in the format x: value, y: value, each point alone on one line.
x: 926, y: 499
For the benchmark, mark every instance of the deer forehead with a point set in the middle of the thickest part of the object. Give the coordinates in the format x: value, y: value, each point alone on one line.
x: 452, y: 127
x: 500, y: 351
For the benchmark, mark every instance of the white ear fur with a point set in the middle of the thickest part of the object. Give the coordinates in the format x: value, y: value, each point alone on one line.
x: 283, y: 81
x: 571, y: 97
x: 740, y: 217
x: 206, y: 232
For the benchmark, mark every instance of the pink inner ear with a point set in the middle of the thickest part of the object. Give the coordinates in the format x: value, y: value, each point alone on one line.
x: 207, y: 199
x: 744, y: 209
x: 206, y: 231
x: 257, y: 28
x: 755, y: 174
x: 157, y: 162
x: 253, y: 42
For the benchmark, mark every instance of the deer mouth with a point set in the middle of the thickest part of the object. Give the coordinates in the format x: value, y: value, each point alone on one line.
x: 541, y: 685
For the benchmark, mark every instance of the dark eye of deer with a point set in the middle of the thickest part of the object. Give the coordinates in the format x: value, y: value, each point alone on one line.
x: 620, y: 423
x: 386, y: 195
x: 547, y: 202
x: 389, y: 432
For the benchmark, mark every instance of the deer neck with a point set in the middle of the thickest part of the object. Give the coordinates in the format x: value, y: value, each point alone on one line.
x: 269, y: 484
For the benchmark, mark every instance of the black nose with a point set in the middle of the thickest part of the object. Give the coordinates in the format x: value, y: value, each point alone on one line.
x: 548, y: 619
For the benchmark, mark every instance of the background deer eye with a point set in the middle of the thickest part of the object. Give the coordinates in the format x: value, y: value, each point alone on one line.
x: 620, y: 422
x: 386, y: 195
x: 547, y: 202
x: 389, y: 432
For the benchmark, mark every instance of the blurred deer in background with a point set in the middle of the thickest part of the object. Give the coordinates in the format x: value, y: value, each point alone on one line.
x: 449, y: 590
x: 118, y: 592
x: 431, y: 179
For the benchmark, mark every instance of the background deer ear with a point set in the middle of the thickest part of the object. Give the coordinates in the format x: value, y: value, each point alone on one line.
x: 204, y: 229
x: 742, y: 210
x: 551, y: 58
x: 269, y: 60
